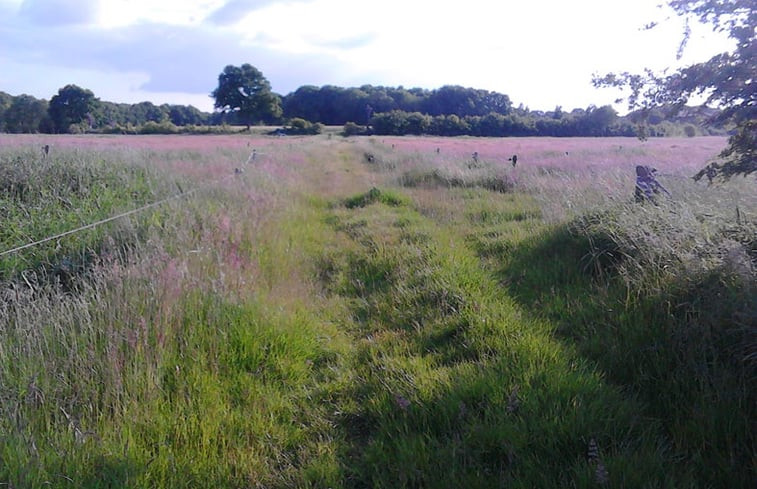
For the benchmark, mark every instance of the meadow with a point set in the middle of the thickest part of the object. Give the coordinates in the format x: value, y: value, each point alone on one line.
x: 374, y: 312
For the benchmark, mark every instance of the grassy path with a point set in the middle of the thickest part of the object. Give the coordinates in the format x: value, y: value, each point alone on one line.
x: 334, y: 329
x: 463, y: 306
x: 450, y: 382
x: 456, y: 386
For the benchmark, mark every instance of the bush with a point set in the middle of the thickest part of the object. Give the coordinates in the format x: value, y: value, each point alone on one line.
x: 152, y: 127
x: 302, y: 127
x: 78, y: 128
x: 353, y: 129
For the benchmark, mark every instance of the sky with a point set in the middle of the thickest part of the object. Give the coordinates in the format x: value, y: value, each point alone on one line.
x: 541, y: 53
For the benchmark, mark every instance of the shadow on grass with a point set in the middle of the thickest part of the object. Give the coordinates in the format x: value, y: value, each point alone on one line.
x: 681, y: 351
x: 102, y: 471
x: 454, y: 388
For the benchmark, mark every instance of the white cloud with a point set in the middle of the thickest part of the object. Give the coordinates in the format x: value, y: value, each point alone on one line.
x: 121, y: 13
x: 58, y: 12
x: 541, y: 53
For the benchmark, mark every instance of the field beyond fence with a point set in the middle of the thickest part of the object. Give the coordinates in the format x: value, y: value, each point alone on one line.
x: 330, y: 312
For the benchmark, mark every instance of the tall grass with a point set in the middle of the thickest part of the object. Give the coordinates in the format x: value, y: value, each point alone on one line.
x: 45, y: 195
x: 661, y: 297
x: 147, y: 370
x: 457, y: 387
x: 323, y: 319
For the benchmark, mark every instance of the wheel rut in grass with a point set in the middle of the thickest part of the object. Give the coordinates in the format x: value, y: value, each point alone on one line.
x: 452, y: 383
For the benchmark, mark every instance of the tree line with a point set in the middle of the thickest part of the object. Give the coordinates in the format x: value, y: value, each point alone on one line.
x: 75, y: 110
x: 447, y: 111
x: 244, y: 96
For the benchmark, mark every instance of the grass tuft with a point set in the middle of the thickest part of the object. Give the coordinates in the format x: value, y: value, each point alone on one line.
x: 373, y: 196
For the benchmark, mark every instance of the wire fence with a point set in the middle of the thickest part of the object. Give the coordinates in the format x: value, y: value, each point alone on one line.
x: 95, y: 224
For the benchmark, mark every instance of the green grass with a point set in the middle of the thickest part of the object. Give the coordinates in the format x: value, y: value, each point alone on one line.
x: 42, y: 197
x: 458, y: 387
x: 679, y: 353
x: 318, y: 322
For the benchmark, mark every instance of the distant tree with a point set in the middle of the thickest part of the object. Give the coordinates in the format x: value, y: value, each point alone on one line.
x: 245, y: 91
x: 109, y: 114
x: 304, y: 103
x: 417, y: 123
x: 495, y: 102
x: 26, y: 114
x: 596, y: 121
x: 492, y: 125
x: 379, y: 98
x: 354, y: 103
x: 390, y: 123
x: 407, y: 100
x: 144, y: 112
x: 550, y: 126
x: 461, y: 101
x: 72, y: 105
x: 448, y: 125
x: 331, y: 102
x: 334, y: 105
x: 452, y: 99
x: 728, y: 79
x: 5, y: 102
x: 182, y: 115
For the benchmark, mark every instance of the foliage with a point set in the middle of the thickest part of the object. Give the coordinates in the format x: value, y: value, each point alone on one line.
x: 727, y: 79
x: 32, y: 115
x: 71, y: 106
x: 449, y: 125
x: 390, y: 123
x: 165, y: 127
x: 244, y: 90
x: 26, y: 114
x: 463, y: 102
x: 595, y: 121
x: 5, y: 101
x: 333, y: 105
x: 302, y: 127
x: 328, y: 105
x: 739, y: 158
x: 110, y: 114
x: 184, y: 115
x: 352, y: 129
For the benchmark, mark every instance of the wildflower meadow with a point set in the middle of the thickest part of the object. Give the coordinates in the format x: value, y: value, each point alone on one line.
x: 349, y: 312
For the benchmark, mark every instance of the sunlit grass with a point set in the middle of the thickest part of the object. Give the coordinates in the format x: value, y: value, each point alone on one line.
x: 317, y: 318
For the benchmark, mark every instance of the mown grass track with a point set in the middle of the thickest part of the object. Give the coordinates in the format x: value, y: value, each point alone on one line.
x: 315, y: 322
x: 457, y: 386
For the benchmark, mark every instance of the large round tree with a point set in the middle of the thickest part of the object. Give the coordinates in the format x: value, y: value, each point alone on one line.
x: 729, y: 79
x: 245, y: 91
x: 72, y: 105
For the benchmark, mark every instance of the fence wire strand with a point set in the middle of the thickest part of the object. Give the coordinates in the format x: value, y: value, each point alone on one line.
x: 113, y: 218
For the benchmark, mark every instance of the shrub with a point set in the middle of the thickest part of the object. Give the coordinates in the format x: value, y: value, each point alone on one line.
x: 303, y: 127
x: 353, y: 129
x: 152, y: 127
